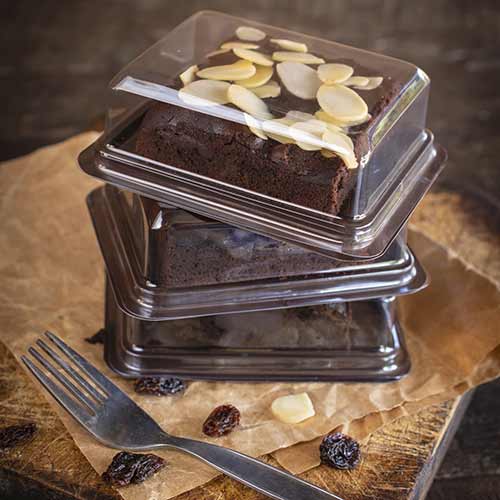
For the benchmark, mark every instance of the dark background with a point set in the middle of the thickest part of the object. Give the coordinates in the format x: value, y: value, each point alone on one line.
x: 58, y: 56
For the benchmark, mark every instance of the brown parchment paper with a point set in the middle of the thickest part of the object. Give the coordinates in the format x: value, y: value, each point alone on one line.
x: 53, y: 279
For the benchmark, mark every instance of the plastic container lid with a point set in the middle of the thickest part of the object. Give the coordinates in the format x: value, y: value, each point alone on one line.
x: 359, y: 341
x: 166, y: 264
x: 261, y: 163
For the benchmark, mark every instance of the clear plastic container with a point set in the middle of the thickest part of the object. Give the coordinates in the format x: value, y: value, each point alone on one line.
x: 165, y: 263
x: 359, y: 341
x: 206, y: 159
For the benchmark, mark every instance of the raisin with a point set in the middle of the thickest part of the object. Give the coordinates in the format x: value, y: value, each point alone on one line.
x: 159, y: 386
x: 16, y: 434
x: 127, y: 468
x: 222, y: 420
x: 97, y: 338
x: 339, y: 451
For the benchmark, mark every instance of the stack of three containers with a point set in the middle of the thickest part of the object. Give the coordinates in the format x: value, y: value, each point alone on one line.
x: 270, y: 280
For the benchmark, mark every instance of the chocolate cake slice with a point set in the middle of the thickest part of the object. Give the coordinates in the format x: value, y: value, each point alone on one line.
x: 230, y: 152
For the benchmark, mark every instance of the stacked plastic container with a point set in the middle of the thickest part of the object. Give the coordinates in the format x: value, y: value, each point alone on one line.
x: 209, y: 277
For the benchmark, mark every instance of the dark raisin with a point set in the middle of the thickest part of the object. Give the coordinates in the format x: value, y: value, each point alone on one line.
x: 16, y: 434
x: 159, y: 386
x: 222, y: 420
x: 127, y: 468
x: 97, y: 338
x: 339, y: 451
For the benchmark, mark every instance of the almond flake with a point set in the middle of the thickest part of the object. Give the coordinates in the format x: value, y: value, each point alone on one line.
x: 254, y: 56
x: 188, y: 75
x: 205, y: 93
x: 299, y: 79
x: 308, y: 135
x: 279, y: 130
x: 240, y: 70
x: 262, y: 75
x: 334, y: 73
x: 247, y: 101
x: 299, y: 116
x: 341, y: 102
x: 290, y: 45
x: 255, y: 126
x: 250, y: 34
x: 321, y: 115
x: 300, y: 57
x: 238, y: 45
x: 293, y: 408
x: 270, y: 89
x: 217, y: 53
x: 357, y: 81
x: 341, y: 145
x: 373, y: 83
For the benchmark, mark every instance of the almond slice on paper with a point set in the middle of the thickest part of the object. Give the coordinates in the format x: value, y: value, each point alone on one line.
x: 356, y: 81
x: 247, y: 101
x: 205, y: 93
x: 262, y: 75
x: 240, y: 70
x: 217, y: 52
x: 238, y: 45
x: 341, y: 102
x: 270, y: 89
x: 255, y: 126
x: 299, y: 79
x: 254, y: 56
x: 279, y: 130
x: 373, y: 83
x: 334, y: 73
x: 308, y: 135
x: 290, y: 45
x: 293, y: 408
x: 189, y: 75
x: 250, y: 34
x: 300, y: 57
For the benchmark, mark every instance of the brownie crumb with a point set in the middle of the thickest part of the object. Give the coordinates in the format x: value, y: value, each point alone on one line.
x: 16, y: 434
x: 97, y: 338
x: 132, y: 468
x: 159, y: 386
x: 339, y: 451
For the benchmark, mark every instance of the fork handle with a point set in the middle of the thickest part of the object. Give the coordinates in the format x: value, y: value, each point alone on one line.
x: 251, y: 472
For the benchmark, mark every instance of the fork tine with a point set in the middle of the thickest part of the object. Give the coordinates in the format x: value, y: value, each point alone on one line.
x: 97, y: 377
x: 67, y: 402
x: 63, y: 380
x: 71, y: 372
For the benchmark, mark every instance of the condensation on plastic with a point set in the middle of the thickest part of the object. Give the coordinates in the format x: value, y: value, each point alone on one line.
x: 165, y: 263
x: 359, y: 341
x: 402, y: 160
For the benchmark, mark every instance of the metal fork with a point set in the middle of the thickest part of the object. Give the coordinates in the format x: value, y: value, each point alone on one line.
x: 116, y: 421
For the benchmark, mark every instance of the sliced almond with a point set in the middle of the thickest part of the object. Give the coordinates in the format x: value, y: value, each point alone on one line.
x: 308, y: 135
x: 321, y: 115
x: 250, y: 34
x: 299, y: 79
x: 279, y: 130
x: 254, y: 56
x: 290, y: 45
x: 247, y: 101
x: 300, y: 57
x: 205, y: 93
x: 262, y: 75
x: 341, y: 145
x: 255, y: 126
x: 217, y: 53
x: 188, y: 75
x: 239, y: 45
x: 334, y: 73
x: 373, y: 83
x: 356, y: 81
x: 341, y: 102
x: 270, y: 89
x: 299, y: 116
x: 293, y: 409
x: 240, y: 70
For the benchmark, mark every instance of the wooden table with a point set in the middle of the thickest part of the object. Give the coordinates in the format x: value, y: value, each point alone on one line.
x: 54, y: 75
